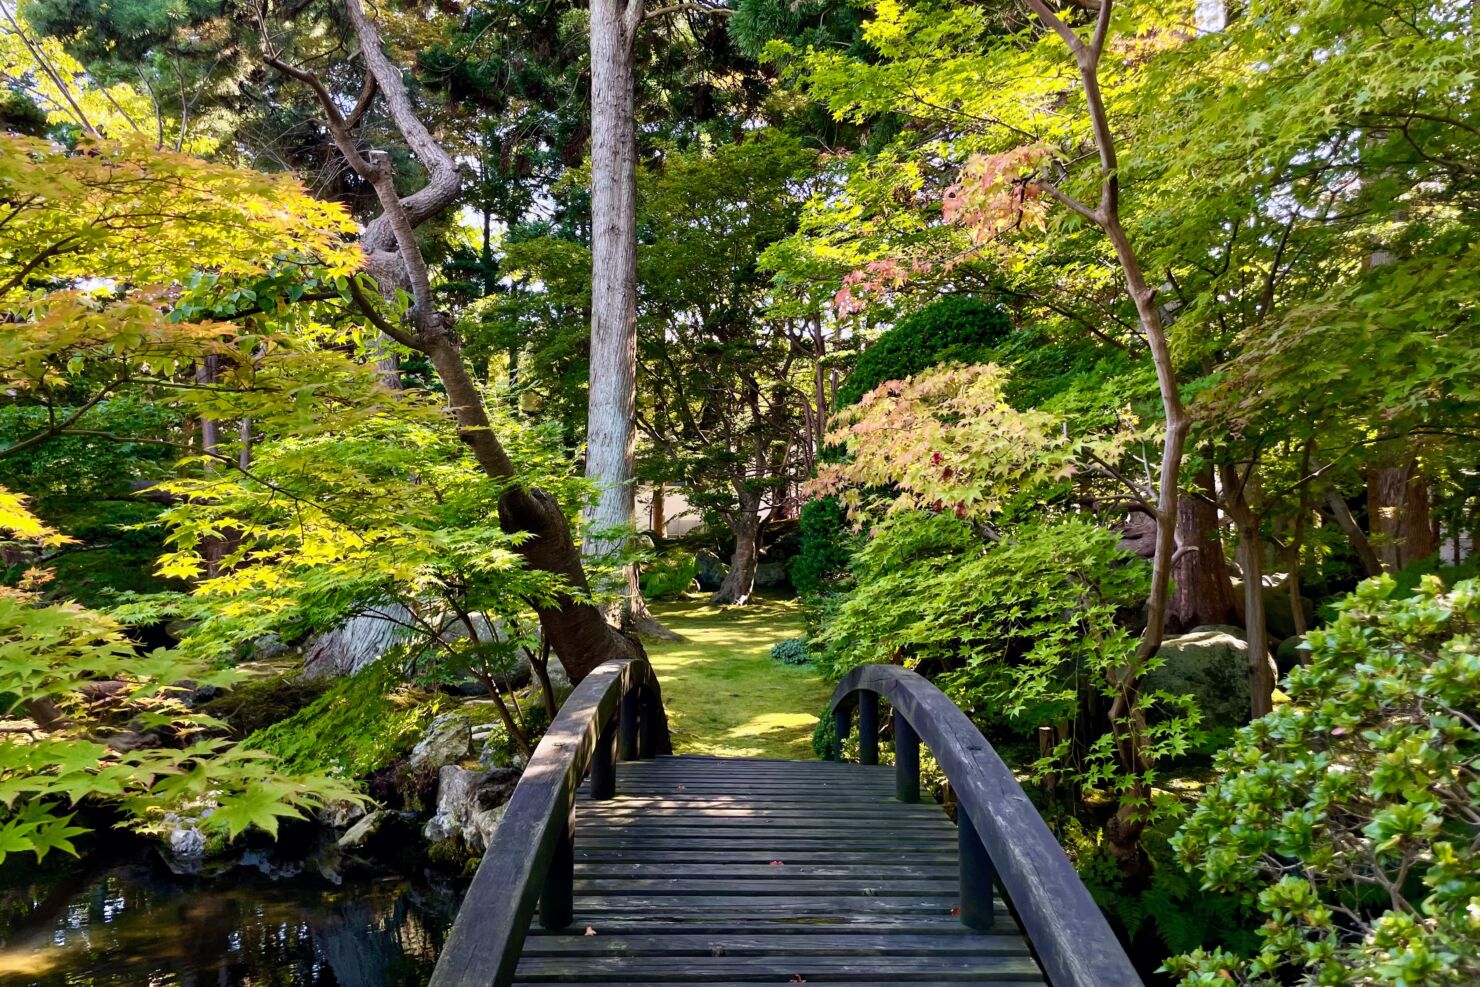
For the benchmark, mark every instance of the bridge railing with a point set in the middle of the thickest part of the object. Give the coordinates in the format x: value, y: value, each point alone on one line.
x: 1002, y: 836
x: 616, y: 713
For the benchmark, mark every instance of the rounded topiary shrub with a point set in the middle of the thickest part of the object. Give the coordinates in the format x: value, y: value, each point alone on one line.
x: 954, y: 328
x: 792, y: 651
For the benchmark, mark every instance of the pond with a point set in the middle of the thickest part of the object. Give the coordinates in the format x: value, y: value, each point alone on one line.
x: 136, y: 923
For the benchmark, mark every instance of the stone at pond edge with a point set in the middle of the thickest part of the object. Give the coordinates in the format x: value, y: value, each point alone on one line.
x: 470, y: 804
x: 360, y: 832
x: 448, y: 739
x: 711, y: 570
x: 1211, y: 664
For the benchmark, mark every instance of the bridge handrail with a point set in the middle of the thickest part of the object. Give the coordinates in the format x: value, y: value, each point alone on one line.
x: 1073, y: 941
x: 529, y: 861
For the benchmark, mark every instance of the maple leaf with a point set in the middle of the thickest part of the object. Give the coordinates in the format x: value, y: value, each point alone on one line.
x: 590, y: 931
x: 778, y: 863
x: 797, y: 978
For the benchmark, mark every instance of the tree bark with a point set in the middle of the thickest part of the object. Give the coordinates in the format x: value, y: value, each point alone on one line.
x: 1371, y: 564
x: 1202, y: 591
x: 1399, y: 514
x: 1251, y: 561
x: 610, y: 435
x: 739, y: 582
x: 658, y: 511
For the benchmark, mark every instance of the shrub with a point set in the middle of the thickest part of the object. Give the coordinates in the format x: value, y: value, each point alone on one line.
x: 671, y: 574
x: 792, y: 651
x: 954, y: 328
x: 359, y: 726
x: 826, y: 541
x: 1351, y: 815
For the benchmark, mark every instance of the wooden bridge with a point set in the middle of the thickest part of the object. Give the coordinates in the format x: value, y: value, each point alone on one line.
x: 617, y: 863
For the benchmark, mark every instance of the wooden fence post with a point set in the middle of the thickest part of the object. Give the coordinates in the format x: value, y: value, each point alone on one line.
x: 627, y: 734
x: 977, y: 874
x: 868, y: 728
x: 906, y: 760
x: 604, y: 762
x: 557, y: 904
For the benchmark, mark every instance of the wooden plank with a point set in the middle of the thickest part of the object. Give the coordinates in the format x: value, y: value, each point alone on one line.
x: 739, y: 810
x: 830, y: 983
x: 815, y: 907
x: 880, y: 886
x: 765, y: 870
x: 821, y: 856
x: 681, y: 923
x: 821, y: 944
x: 880, y: 821
x: 663, y: 969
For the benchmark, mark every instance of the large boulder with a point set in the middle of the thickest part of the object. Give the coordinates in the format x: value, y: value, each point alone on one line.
x: 358, y: 642
x: 710, y: 570
x: 1211, y: 664
x: 470, y: 804
x: 771, y: 575
x: 448, y: 739
x: 1279, y: 616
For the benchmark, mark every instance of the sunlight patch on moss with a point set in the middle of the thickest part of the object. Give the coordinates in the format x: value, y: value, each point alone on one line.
x: 724, y: 694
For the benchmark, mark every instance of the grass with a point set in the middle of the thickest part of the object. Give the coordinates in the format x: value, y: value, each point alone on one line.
x: 723, y: 692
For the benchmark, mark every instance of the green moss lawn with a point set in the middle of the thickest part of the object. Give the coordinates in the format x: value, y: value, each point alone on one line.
x: 723, y: 692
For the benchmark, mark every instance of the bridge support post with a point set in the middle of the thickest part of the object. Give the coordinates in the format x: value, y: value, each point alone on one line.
x: 604, y: 762
x: 906, y: 760
x: 557, y: 900
x: 627, y: 734
x: 977, y: 874
x: 868, y: 728
x: 840, y: 732
x: 648, y: 722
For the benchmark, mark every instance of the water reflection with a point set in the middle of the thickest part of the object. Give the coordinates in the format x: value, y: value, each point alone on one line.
x: 139, y: 925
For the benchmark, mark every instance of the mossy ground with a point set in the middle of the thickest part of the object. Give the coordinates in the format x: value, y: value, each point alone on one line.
x: 723, y: 693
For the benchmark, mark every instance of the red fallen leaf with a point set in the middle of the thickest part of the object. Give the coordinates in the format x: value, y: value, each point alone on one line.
x: 590, y: 931
x: 956, y: 912
x: 778, y: 863
x: 797, y: 978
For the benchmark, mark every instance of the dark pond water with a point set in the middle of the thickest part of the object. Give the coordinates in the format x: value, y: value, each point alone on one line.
x: 138, y: 925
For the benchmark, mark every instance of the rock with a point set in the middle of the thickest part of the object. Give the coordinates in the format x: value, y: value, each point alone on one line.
x: 358, y: 642
x: 266, y: 648
x: 1289, y: 654
x: 185, y: 845
x: 771, y: 575
x: 1211, y: 664
x: 470, y: 804
x: 448, y: 739
x: 711, y: 570
x: 340, y: 813
x: 360, y: 833
x: 559, y: 679
x: 1279, y: 616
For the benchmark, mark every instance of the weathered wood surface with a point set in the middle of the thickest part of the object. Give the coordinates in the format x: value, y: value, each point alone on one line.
x: 1066, y: 928
x: 744, y: 871
x: 486, y: 937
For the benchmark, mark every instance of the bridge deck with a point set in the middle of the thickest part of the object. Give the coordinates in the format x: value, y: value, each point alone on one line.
x: 724, y: 871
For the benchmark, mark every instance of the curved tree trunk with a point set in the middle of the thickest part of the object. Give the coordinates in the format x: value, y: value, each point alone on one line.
x: 575, y: 629
x: 739, y: 582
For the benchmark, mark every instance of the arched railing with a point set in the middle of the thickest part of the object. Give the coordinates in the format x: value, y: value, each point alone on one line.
x: 1002, y: 836
x: 616, y: 713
